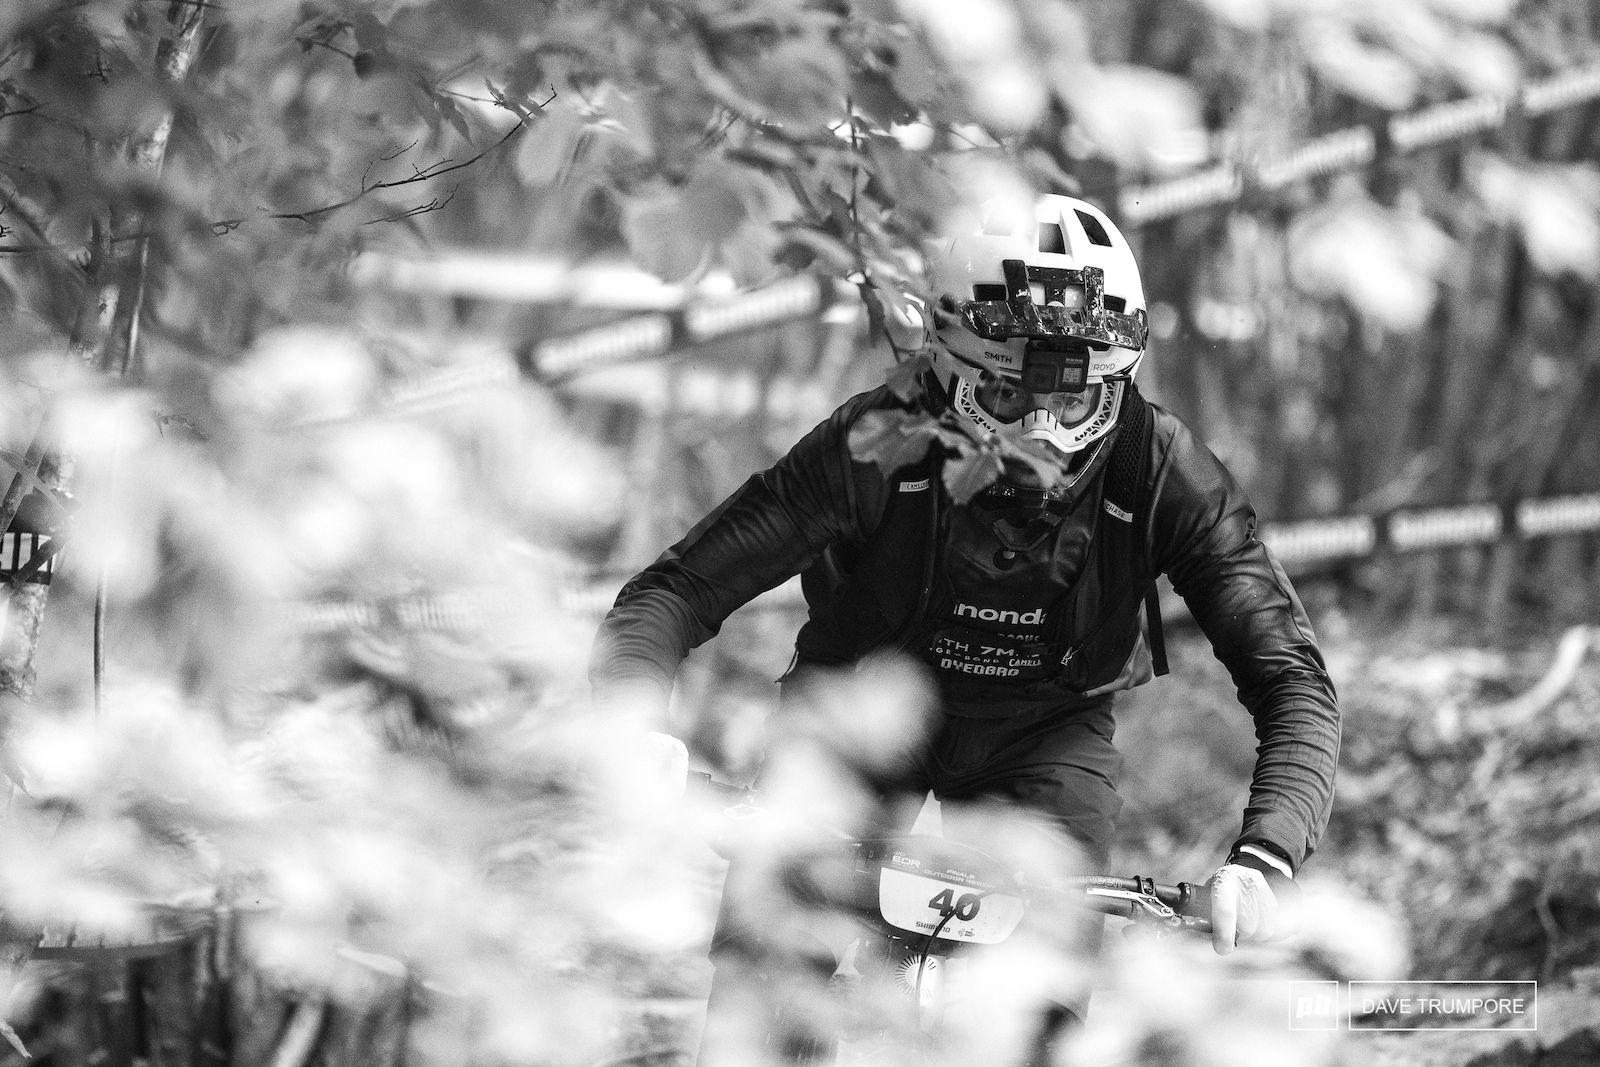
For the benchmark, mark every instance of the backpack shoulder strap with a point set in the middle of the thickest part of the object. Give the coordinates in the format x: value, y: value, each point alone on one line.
x: 1130, y: 458
x: 1126, y: 496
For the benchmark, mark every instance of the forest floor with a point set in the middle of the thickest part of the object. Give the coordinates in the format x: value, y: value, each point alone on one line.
x: 1464, y: 809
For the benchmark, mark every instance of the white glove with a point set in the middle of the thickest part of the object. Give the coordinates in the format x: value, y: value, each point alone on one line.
x: 1244, y: 908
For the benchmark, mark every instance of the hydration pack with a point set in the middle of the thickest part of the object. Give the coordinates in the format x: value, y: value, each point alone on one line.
x: 894, y: 586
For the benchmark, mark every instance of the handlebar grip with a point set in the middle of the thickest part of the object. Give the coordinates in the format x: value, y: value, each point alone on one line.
x: 1193, y: 900
x: 1187, y: 899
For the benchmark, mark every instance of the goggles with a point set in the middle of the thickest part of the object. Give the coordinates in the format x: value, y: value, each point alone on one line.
x: 1073, y: 306
x: 1007, y: 401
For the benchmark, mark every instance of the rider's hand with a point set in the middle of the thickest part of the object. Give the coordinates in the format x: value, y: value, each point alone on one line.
x: 1252, y: 899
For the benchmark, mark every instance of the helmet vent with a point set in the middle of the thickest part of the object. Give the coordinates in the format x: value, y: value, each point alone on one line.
x: 1091, y: 226
x: 1051, y: 239
x: 988, y: 291
x: 1115, y: 303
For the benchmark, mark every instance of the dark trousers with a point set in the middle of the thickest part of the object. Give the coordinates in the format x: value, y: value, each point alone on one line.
x: 1056, y: 767
x: 1052, y: 767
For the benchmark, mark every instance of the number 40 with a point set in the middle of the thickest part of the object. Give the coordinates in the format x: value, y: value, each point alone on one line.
x: 966, y: 908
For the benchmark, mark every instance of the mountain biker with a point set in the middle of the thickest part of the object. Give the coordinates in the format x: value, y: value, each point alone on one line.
x: 1024, y: 603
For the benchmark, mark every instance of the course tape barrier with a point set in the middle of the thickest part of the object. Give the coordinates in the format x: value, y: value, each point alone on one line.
x: 1353, y: 147
x: 449, y: 613
x: 652, y: 335
x: 648, y: 336
x: 1421, y: 529
x: 638, y: 337
x: 17, y: 551
x: 1297, y: 545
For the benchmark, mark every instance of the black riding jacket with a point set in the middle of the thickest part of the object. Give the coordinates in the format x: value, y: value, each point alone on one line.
x: 871, y: 547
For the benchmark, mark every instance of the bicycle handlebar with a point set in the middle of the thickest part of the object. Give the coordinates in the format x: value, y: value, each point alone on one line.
x: 1184, y: 905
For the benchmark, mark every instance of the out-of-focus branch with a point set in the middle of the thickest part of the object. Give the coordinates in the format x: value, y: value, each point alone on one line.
x: 1570, y: 653
x: 412, y: 212
x: 300, y: 1037
x: 27, y: 474
x: 419, y: 174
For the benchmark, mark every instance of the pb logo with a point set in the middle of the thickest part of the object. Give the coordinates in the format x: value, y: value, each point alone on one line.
x: 1313, y: 1005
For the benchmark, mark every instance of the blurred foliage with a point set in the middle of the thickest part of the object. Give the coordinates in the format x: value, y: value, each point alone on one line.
x: 435, y: 798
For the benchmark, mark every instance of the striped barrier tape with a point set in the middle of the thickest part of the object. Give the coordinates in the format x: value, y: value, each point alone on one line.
x: 1473, y: 524
x: 653, y: 335
x: 18, y: 550
x: 1324, y: 539
x: 1558, y: 515
x: 647, y: 336
x: 1347, y: 149
x: 640, y: 337
x: 448, y: 613
x: 1296, y: 545
x: 1424, y: 529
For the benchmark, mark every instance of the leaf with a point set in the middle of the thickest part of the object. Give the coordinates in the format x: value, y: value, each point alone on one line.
x: 893, y: 439
x: 913, y: 72
x: 1039, y: 166
x: 371, y: 35
x: 869, y: 296
x: 1138, y: 116
x: 14, y: 1041
x: 13, y: 771
x: 1366, y: 71
x: 832, y: 251
x: 659, y: 239
x: 716, y: 201
x: 967, y: 475
x: 452, y: 113
x: 1045, y: 473
x: 905, y: 378
x: 798, y: 81
x: 891, y: 316
x: 1385, y: 262
x: 873, y: 95
x: 547, y: 149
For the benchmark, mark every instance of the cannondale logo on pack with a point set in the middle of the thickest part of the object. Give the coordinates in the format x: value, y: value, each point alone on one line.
x: 1025, y: 618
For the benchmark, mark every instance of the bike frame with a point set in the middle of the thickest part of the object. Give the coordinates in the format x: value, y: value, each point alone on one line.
x: 922, y: 900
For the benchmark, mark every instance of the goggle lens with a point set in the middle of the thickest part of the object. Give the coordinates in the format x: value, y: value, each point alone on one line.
x: 1007, y: 401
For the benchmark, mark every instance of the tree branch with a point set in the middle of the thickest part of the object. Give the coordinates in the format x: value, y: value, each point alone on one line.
x: 421, y: 209
x: 420, y: 174
x: 423, y: 174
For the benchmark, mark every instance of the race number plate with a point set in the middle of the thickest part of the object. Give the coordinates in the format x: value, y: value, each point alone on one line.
x: 917, y: 904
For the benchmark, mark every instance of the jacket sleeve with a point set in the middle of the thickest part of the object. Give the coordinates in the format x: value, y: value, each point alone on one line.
x: 1203, y: 537
x: 769, y: 530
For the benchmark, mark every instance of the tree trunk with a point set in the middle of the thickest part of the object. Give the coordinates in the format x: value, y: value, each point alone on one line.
x: 106, y: 332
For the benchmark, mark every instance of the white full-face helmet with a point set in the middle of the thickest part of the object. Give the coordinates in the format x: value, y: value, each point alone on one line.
x: 1040, y: 322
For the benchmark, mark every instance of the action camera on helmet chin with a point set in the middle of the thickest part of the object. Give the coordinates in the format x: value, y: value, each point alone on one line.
x: 1055, y: 368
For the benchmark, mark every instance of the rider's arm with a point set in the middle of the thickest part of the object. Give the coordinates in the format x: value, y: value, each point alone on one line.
x: 1202, y: 535
x: 772, y: 528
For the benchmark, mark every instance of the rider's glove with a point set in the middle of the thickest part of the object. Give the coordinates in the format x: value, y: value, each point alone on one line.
x: 1253, y: 898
